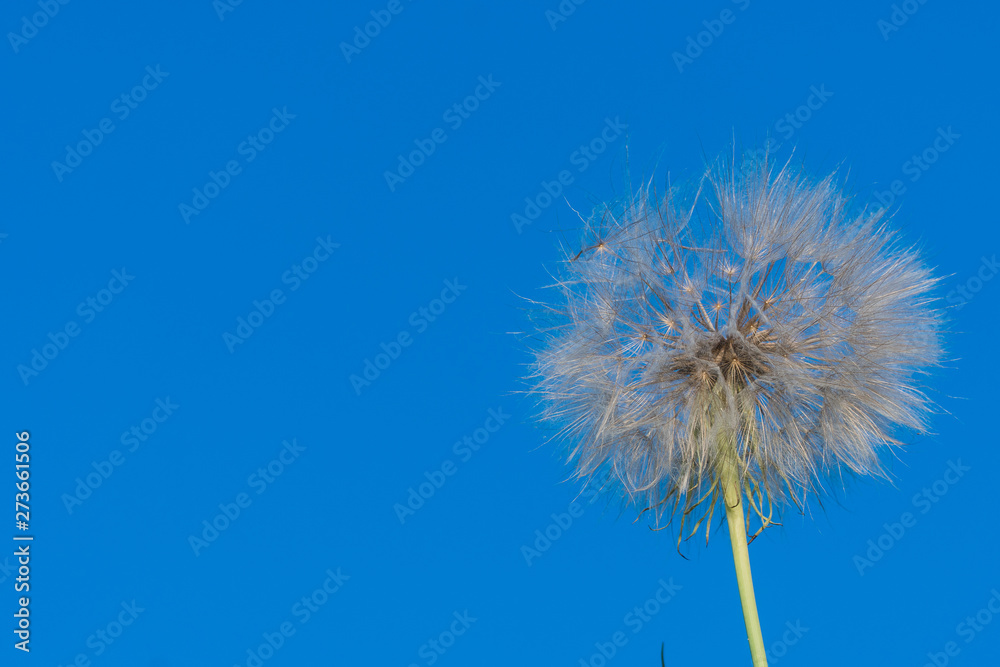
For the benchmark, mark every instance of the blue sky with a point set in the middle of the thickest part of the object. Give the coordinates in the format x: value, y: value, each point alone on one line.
x: 216, y: 214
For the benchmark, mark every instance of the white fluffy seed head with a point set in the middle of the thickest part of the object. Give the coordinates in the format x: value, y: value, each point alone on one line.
x: 760, y: 306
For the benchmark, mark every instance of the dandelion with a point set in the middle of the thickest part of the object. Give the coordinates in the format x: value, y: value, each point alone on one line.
x: 746, y: 343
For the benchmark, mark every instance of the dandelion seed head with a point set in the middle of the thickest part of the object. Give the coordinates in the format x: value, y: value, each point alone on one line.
x: 763, y: 306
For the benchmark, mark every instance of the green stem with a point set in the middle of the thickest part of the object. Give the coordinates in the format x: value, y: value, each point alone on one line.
x: 733, y: 497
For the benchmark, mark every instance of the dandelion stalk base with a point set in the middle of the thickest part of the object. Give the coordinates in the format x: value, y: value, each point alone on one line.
x: 736, y: 519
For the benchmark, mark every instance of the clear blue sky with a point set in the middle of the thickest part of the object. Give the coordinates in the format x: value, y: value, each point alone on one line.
x: 215, y: 215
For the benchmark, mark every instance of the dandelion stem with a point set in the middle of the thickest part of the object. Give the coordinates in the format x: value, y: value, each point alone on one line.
x: 733, y: 498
